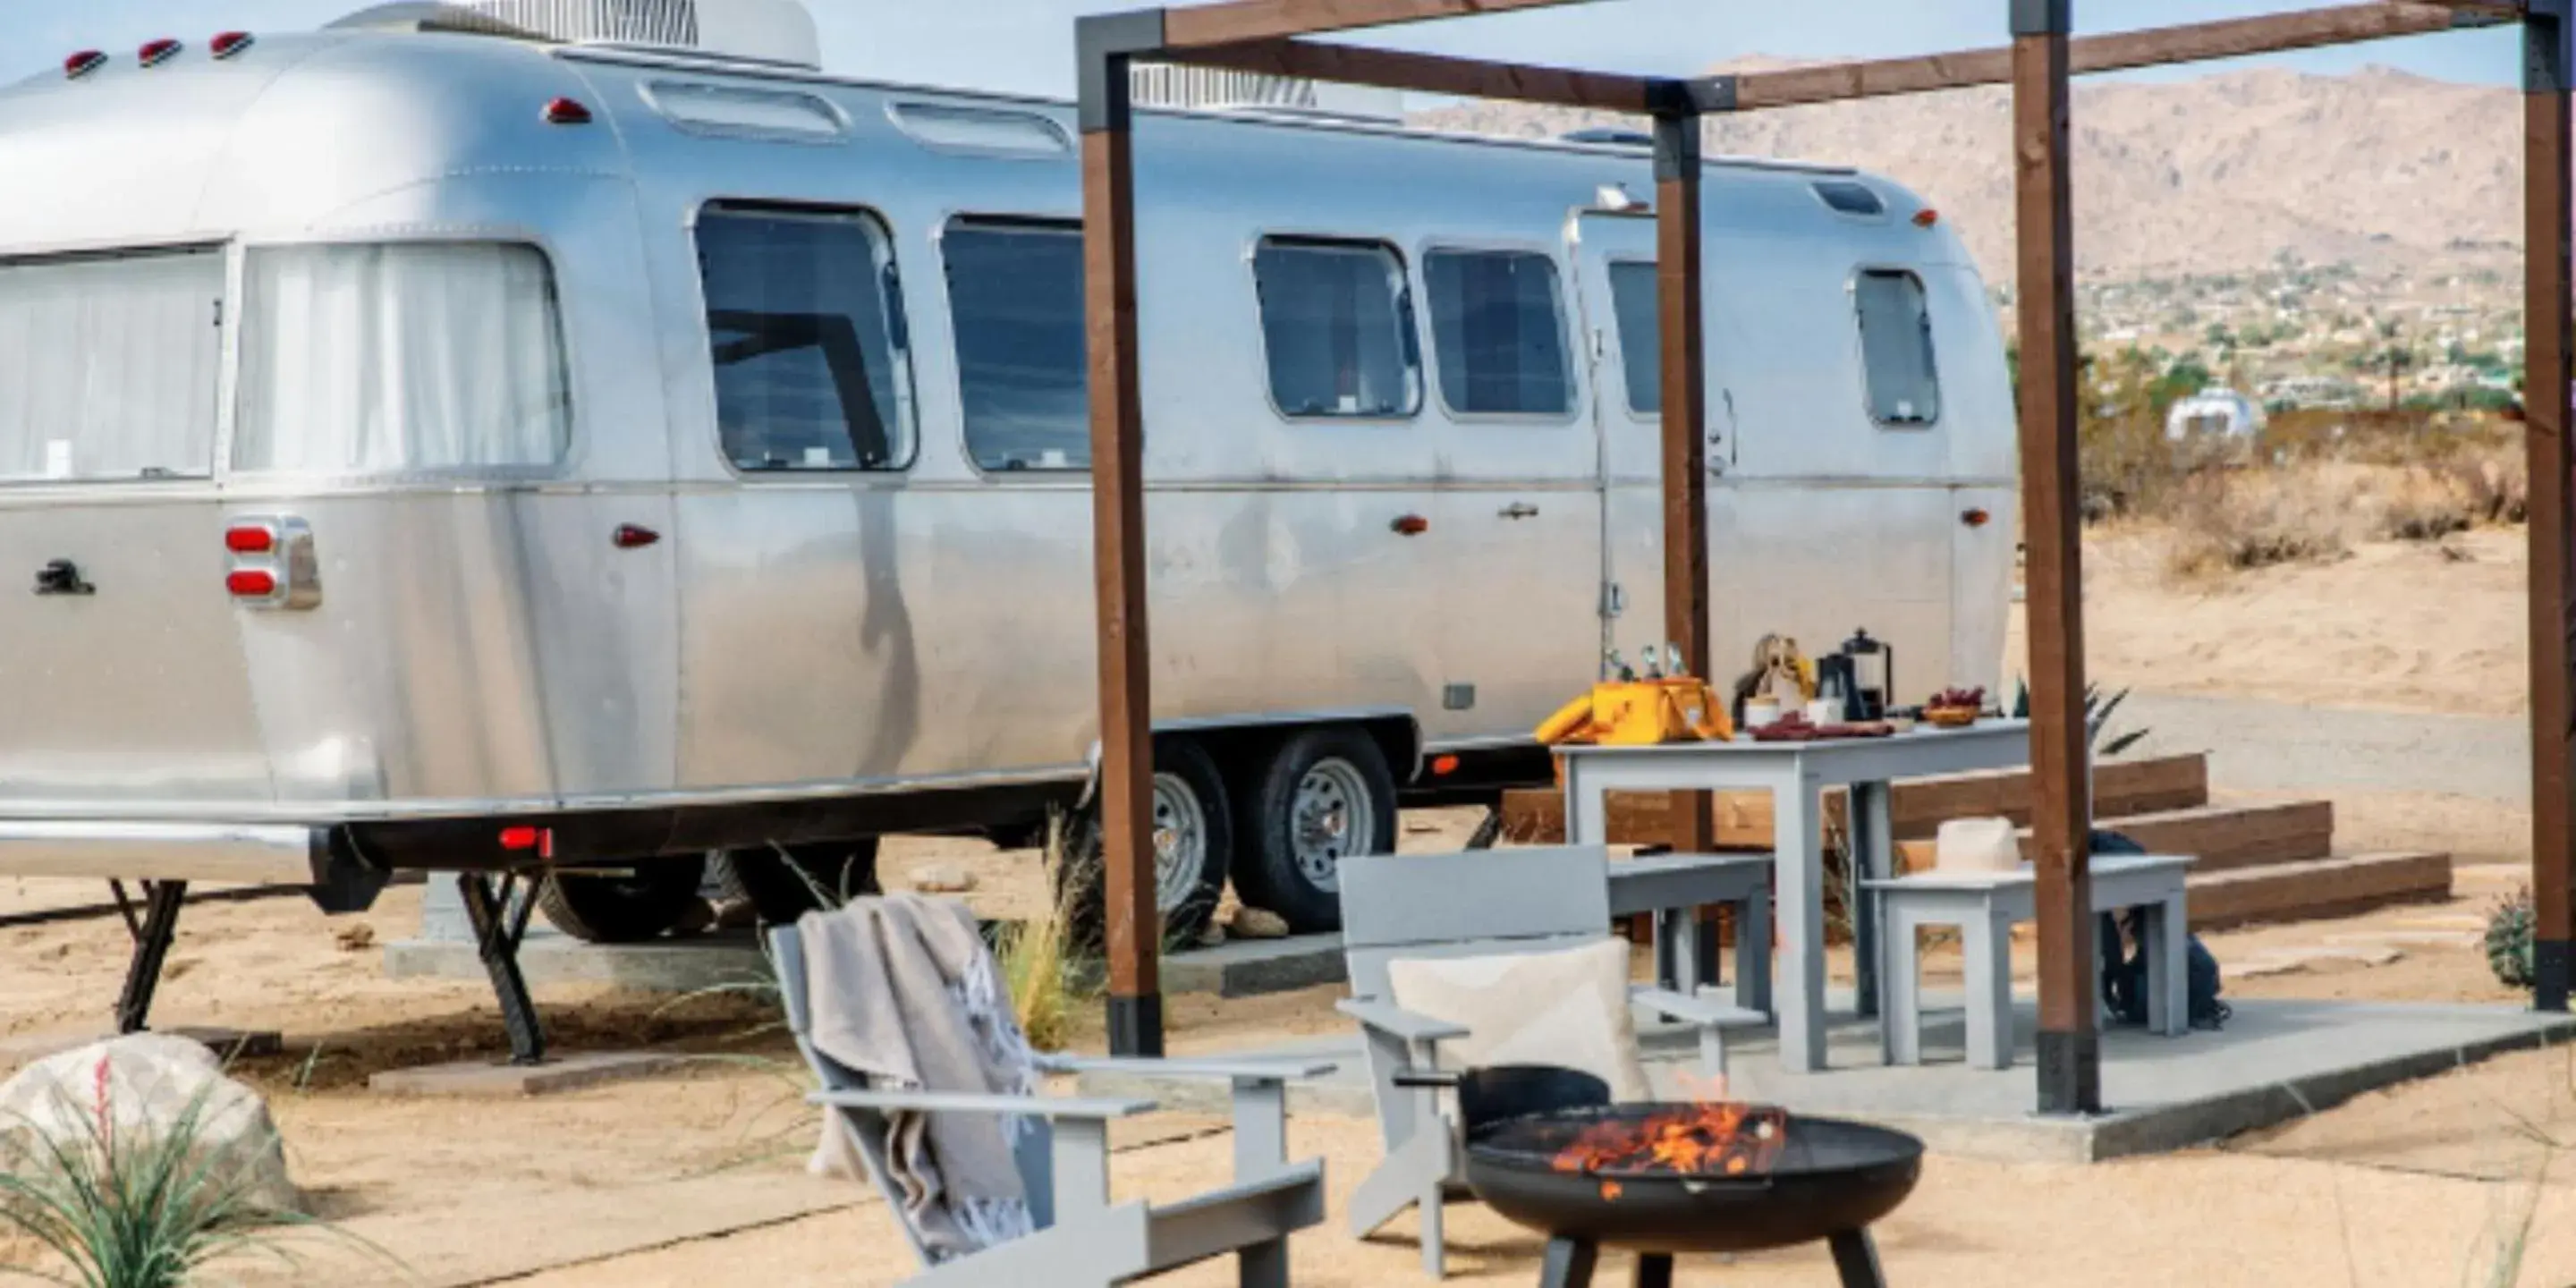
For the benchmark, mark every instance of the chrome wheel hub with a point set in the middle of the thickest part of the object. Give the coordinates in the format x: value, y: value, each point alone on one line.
x: 1330, y: 818
x: 1180, y: 842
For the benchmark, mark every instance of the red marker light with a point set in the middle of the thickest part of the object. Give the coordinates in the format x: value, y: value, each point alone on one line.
x: 1412, y: 525
x: 83, y: 63
x: 1926, y: 217
x: 249, y: 540
x: 564, y: 111
x: 1976, y: 518
x: 522, y: 837
x: 229, y: 43
x: 159, y: 52
x: 1443, y: 766
x: 251, y: 583
x: 633, y: 536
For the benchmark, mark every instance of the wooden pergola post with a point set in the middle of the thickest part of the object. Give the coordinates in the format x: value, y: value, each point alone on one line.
x: 1680, y: 306
x: 1106, y: 45
x: 2070, y: 1054
x: 2548, y: 176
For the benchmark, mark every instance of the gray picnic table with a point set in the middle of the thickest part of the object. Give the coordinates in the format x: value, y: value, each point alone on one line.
x: 1796, y: 774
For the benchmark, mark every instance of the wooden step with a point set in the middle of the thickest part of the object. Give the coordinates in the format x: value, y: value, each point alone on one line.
x: 2122, y: 789
x: 2222, y: 837
x: 2313, y: 889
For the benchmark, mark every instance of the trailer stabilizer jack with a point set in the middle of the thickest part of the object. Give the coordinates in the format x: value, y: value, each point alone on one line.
x: 500, y: 918
x: 153, y: 934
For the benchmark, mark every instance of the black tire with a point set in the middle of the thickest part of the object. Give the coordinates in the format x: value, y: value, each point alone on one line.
x: 628, y: 909
x: 1185, y: 778
x: 1268, y: 871
x: 826, y: 874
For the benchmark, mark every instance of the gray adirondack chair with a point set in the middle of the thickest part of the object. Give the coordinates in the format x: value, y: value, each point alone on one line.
x: 1081, y: 1239
x: 1481, y: 903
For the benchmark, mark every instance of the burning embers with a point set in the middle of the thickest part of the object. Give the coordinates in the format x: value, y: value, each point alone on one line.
x: 1712, y: 1140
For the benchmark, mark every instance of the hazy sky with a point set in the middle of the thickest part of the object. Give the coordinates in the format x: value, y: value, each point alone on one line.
x: 1026, y: 45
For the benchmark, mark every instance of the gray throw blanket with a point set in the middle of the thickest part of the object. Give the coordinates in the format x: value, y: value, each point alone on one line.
x: 905, y: 994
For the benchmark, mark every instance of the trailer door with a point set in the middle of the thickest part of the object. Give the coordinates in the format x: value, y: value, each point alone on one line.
x: 1615, y: 259
x: 1519, y: 523
x: 121, y: 674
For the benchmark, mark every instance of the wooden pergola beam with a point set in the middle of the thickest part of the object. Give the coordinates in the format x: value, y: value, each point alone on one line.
x: 1238, y: 21
x: 2121, y: 51
x: 1437, y: 74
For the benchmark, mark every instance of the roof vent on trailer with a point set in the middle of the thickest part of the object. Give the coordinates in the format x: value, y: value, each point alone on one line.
x: 765, y: 31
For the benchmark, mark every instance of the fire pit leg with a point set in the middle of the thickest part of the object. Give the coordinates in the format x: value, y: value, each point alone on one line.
x: 1569, y: 1264
x: 1857, y: 1258
x: 1654, y: 1270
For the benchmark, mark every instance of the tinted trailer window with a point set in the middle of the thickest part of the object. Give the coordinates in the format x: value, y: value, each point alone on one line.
x: 1015, y: 299
x: 1337, y: 327
x: 1498, y: 333
x: 108, y: 366
x: 806, y: 318
x: 1896, y: 348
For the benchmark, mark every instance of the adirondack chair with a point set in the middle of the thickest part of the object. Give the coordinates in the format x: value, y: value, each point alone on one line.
x: 1064, y: 1162
x: 1478, y: 904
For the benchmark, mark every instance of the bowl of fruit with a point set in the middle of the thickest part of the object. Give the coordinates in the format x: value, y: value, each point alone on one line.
x: 1954, y: 708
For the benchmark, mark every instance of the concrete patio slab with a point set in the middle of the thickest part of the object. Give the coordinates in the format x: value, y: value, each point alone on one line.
x: 2274, y: 1062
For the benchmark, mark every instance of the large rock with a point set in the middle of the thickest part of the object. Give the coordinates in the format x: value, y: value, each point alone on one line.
x: 137, y: 1086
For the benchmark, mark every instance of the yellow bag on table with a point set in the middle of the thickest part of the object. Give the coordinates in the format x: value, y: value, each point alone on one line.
x: 1640, y: 713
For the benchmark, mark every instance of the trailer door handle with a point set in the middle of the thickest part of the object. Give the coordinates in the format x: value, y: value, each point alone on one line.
x: 1520, y: 510
x: 62, y: 577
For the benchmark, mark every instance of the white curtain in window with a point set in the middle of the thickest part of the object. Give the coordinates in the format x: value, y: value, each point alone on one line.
x: 107, y: 366
x: 403, y: 357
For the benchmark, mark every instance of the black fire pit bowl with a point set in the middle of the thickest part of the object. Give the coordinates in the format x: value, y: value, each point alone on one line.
x: 1831, y: 1178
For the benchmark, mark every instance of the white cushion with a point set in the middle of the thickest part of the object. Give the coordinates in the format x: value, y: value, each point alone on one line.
x: 1567, y: 1008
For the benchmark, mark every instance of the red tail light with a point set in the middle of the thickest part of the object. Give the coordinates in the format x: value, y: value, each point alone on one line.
x: 251, y: 583
x: 522, y: 837
x: 250, y: 539
x: 158, y: 52
x: 564, y: 111
x: 1443, y: 766
x: 229, y: 43
x: 83, y: 63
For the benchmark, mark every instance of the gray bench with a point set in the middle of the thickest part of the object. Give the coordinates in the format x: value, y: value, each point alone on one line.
x: 1672, y: 888
x: 1984, y: 907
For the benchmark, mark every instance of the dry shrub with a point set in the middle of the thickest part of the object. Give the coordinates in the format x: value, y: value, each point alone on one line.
x: 2253, y: 519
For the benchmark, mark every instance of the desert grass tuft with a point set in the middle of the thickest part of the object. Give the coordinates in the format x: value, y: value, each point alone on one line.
x: 126, y: 1207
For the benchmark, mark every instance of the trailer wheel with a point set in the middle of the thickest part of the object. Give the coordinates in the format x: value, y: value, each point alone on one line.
x: 1323, y: 796
x: 627, y: 909
x: 784, y: 887
x: 1193, y: 840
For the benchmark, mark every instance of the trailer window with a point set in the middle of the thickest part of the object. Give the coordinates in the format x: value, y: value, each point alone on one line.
x: 107, y: 366
x: 1337, y: 325
x: 805, y: 315
x: 1896, y: 348
x: 1015, y: 299
x: 1500, y: 338
x: 398, y: 358
x: 1636, y: 299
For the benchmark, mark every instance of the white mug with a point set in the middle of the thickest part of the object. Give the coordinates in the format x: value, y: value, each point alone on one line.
x: 1761, y: 712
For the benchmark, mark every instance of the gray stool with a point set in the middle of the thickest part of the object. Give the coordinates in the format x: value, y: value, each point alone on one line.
x: 1984, y: 907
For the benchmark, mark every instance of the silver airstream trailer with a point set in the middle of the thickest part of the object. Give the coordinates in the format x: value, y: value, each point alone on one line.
x: 429, y: 445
